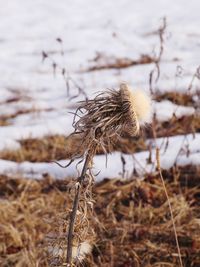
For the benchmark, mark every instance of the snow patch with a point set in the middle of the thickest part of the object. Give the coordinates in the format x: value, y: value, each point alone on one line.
x: 181, y: 150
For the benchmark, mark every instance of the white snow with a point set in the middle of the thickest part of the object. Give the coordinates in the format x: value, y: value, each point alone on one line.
x: 181, y: 150
x: 50, y: 126
x: 9, y: 144
x: 177, y: 147
x: 37, y: 125
x: 38, y: 101
x: 165, y: 110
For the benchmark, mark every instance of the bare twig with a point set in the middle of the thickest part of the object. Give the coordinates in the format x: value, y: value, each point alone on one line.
x: 196, y: 75
x: 169, y: 204
x: 156, y: 70
x: 65, y: 74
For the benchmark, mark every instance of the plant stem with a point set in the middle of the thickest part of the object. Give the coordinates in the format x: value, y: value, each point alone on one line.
x: 74, y: 210
x: 169, y: 204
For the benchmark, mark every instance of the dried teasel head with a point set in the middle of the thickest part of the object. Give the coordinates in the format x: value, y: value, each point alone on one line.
x: 112, y: 113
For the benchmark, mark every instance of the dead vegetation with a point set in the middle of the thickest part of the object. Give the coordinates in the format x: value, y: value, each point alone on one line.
x: 44, y: 149
x: 175, y: 126
x: 131, y: 220
x: 6, y: 120
x: 102, y: 62
x: 98, y: 121
x: 130, y: 224
x: 60, y: 147
x: 184, y: 99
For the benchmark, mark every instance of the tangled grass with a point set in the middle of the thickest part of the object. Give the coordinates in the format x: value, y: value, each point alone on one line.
x: 118, y: 223
x: 130, y: 224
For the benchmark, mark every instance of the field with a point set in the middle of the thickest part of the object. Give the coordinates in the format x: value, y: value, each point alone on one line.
x: 47, y: 67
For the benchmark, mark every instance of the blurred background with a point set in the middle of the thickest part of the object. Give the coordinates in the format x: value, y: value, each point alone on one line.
x: 56, y: 53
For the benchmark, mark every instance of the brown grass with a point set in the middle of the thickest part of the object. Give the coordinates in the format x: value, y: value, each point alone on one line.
x: 177, y: 98
x: 131, y: 220
x: 175, y: 126
x: 6, y: 120
x: 60, y: 147
x: 102, y: 62
x: 44, y: 149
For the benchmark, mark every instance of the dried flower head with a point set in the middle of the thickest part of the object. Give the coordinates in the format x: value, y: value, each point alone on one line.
x: 112, y: 113
x: 108, y: 115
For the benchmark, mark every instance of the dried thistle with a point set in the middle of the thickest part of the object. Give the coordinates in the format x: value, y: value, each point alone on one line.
x: 108, y: 115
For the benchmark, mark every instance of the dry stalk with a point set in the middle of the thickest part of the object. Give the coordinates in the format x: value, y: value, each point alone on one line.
x: 169, y: 204
x: 68, y: 79
x: 156, y: 71
x: 108, y: 115
x: 74, y: 211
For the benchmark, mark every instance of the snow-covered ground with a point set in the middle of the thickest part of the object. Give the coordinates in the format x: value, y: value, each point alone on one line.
x: 119, y: 29
x: 182, y: 150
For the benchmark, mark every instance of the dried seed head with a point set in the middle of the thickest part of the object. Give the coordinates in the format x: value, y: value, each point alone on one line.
x: 140, y: 103
x: 111, y: 113
x: 131, y: 123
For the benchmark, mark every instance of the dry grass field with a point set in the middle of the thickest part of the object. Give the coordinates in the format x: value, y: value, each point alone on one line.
x: 130, y: 222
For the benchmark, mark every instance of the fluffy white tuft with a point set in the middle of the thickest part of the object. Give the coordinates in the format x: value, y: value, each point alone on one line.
x: 142, y: 105
x: 81, y: 251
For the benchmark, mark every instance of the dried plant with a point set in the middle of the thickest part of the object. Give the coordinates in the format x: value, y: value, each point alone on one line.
x: 137, y: 231
x: 170, y: 207
x: 155, y: 73
x: 70, y: 82
x: 108, y: 115
x: 111, y: 113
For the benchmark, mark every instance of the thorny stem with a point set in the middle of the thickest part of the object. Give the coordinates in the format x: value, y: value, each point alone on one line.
x: 74, y: 210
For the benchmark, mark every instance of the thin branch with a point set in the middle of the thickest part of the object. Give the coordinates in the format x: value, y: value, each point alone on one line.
x: 156, y: 71
x: 169, y: 204
x: 65, y: 74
